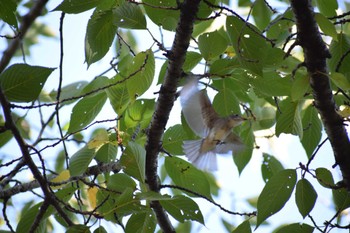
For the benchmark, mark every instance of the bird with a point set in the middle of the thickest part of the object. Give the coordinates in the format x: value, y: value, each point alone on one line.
x: 215, y: 132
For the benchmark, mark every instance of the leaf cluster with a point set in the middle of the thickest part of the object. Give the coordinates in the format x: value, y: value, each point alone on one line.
x: 250, y: 67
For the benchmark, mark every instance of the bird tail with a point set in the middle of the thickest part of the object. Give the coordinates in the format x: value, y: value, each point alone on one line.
x: 205, y: 160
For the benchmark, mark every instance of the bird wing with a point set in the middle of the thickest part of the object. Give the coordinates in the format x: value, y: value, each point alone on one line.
x: 231, y: 143
x: 208, y: 113
x: 190, y: 98
x: 206, y: 161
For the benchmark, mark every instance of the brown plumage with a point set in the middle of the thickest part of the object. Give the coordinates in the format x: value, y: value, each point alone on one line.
x: 215, y: 131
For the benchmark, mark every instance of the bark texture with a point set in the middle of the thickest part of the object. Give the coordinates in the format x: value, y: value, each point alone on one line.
x: 165, y: 103
x: 316, y: 53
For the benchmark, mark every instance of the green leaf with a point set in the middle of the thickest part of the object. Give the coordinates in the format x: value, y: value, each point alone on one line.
x: 189, y: 132
x: 192, y: 59
x: 112, y: 204
x: 226, y: 103
x: 23, y: 83
x: 183, y: 208
x: 224, y: 66
x: 76, y: 6
x: 96, y: 85
x: 296, y: 227
x: 205, y: 9
x: 270, y: 167
x: 8, y: 12
x: 100, y: 33
x: 262, y: 14
x: 134, y: 159
x: 78, y: 229
x: 107, y: 153
x: 301, y: 84
x: 338, y: 48
x: 119, y: 182
x: 139, y: 113
x: 162, y: 72
x: 85, y: 111
x: 312, y: 130
x: 126, y: 204
x: 129, y: 15
x: 80, y: 161
x: 250, y: 48
x: 69, y: 91
x: 173, y: 139
x: 327, y: 7
x: 326, y: 26
x: 201, y: 26
x: 340, y: 80
x: 305, y: 197
x: 5, y: 137
x: 187, y: 176
x: 271, y: 84
x: 211, y: 45
x: 65, y: 194
x: 238, y: 86
x: 106, y: 202
x: 275, y: 194
x: 289, y: 120
x: 118, y: 95
x: 100, y: 229
x: 281, y: 27
x: 242, y: 158
x: 160, y: 13
x: 140, y: 74
x: 341, y: 198
x: 152, y: 196
x: 22, y: 124
x: 266, y: 117
x: 244, y: 227
x: 27, y: 219
x: 141, y: 223
x: 324, y: 177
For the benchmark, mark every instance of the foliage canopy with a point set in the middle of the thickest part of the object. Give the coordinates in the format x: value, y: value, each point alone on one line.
x: 105, y: 170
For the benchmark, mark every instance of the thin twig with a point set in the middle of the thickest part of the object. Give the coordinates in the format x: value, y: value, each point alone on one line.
x: 207, y: 199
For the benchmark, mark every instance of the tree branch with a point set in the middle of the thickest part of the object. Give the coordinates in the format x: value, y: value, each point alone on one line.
x: 91, y: 171
x: 165, y: 103
x: 27, y: 21
x: 9, y: 122
x: 316, y: 53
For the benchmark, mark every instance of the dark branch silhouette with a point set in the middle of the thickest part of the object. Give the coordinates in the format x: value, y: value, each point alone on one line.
x: 27, y: 21
x: 165, y: 103
x: 316, y: 53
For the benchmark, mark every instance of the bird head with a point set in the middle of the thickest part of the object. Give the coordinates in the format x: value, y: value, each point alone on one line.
x: 236, y: 120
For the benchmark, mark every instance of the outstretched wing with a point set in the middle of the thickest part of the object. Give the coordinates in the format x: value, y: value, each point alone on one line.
x: 192, y: 110
x: 208, y: 113
x: 205, y: 161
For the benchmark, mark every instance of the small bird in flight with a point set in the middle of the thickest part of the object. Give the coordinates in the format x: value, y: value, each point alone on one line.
x: 215, y: 131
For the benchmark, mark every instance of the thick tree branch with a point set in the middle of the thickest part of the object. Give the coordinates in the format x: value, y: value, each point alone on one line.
x: 91, y: 171
x: 27, y: 21
x: 316, y: 53
x: 10, y: 124
x: 165, y: 103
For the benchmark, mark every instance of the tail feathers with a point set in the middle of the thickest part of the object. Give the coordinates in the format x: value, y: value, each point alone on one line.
x: 206, y: 161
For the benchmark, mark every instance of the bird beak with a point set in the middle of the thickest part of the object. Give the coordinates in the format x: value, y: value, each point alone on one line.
x: 244, y: 119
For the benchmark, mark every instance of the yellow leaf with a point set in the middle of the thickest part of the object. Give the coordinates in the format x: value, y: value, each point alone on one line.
x: 91, y: 194
x: 100, y: 139
x: 230, y: 52
x: 345, y: 112
x: 63, y: 176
